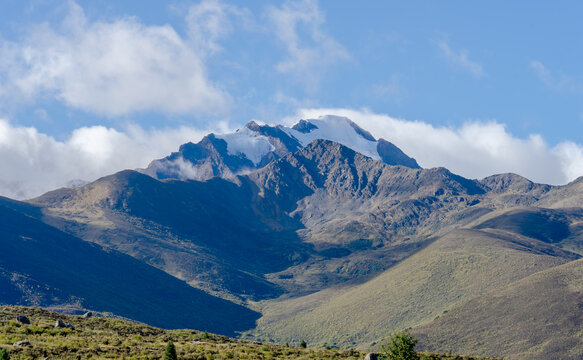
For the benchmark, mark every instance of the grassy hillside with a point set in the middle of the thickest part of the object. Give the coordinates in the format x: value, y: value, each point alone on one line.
x: 538, y: 317
x: 40, y: 265
x: 546, y: 225
x: 455, y: 268
x: 102, y: 338
x: 562, y: 227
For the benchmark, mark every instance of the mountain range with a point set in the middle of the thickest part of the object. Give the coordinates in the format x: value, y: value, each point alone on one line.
x: 317, y: 231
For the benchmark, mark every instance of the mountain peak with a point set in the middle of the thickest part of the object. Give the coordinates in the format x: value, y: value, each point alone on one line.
x: 254, y: 125
x: 256, y: 144
x: 304, y: 126
x: 345, y: 131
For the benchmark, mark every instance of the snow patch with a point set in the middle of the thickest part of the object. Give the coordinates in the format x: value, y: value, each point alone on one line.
x: 249, y: 143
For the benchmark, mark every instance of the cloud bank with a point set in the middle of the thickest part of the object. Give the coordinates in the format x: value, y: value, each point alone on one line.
x: 110, y: 68
x: 32, y: 163
x: 474, y: 150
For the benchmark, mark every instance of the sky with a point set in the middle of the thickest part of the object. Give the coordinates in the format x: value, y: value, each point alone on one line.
x: 88, y: 88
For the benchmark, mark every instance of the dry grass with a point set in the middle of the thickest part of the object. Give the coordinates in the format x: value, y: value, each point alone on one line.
x: 104, y: 338
x: 458, y: 267
x: 536, y: 318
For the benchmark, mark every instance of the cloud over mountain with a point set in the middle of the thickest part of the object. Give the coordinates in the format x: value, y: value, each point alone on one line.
x: 32, y: 163
x: 474, y: 150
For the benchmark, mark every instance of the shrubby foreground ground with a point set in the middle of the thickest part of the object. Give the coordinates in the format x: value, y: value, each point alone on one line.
x: 108, y: 338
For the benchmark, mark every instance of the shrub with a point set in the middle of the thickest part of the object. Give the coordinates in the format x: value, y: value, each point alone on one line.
x: 400, y: 346
x: 430, y: 357
x: 303, y: 344
x: 4, y: 354
x: 170, y: 353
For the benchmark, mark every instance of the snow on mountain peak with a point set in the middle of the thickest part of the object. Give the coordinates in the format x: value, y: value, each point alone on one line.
x: 251, y: 142
x: 338, y: 129
x: 247, y: 142
x: 256, y: 144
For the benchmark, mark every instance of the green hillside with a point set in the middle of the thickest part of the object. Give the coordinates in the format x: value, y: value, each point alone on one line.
x: 538, y: 317
x: 455, y: 268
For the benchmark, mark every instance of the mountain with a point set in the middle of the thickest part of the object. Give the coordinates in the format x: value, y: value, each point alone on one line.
x: 254, y: 146
x: 344, y: 131
x: 229, y: 236
x: 330, y: 234
x: 320, y: 216
x: 43, y: 266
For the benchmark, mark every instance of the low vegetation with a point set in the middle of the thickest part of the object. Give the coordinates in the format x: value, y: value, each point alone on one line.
x: 536, y: 318
x: 107, y: 338
x: 401, y: 346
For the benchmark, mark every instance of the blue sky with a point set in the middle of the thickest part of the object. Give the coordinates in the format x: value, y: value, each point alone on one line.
x: 146, y: 69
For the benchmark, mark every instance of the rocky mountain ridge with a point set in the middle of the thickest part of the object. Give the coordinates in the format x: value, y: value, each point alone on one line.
x: 255, y: 145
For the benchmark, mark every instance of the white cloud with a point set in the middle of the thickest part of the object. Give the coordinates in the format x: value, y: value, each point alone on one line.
x: 559, y: 82
x: 461, y: 59
x: 474, y: 150
x: 308, y: 55
x: 110, y: 68
x: 210, y: 21
x: 32, y: 163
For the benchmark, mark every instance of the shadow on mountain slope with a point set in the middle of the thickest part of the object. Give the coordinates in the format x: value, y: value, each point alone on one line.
x: 41, y: 265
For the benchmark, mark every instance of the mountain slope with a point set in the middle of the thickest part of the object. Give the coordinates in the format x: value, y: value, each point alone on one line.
x: 218, y: 235
x: 566, y: 196
x: 41, y: 265
x: 512, y: 190
x: 547, y: 225
x: 538, y: 317
x: 459, y: 266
